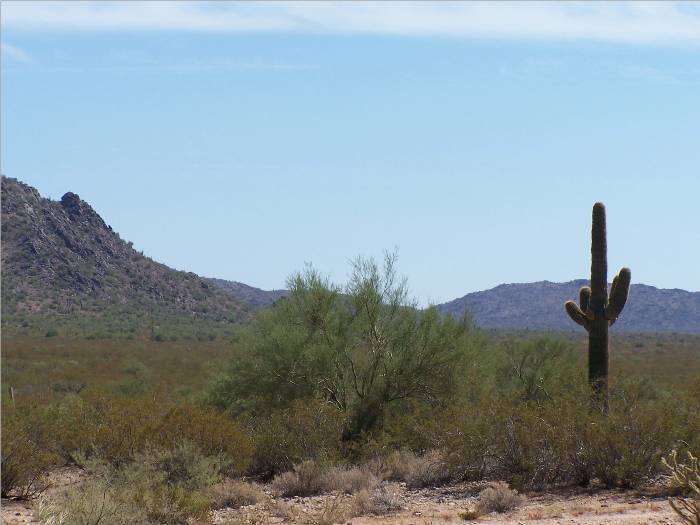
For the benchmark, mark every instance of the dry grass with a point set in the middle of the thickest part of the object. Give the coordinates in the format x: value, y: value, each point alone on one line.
x: 382, y: 500
x: 499, y: 497
x: 469, y: 514
x: 310, y: 478
x: 235, y: 494
x: 305, y: 480
x: 334, y: 510
x: 349, y: 480
x: 428, y: 470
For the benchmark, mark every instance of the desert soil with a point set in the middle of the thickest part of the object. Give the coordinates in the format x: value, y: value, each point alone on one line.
x: 434, y: 506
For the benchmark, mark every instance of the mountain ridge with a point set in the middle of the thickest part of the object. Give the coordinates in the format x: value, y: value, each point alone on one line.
x: 60, y: 259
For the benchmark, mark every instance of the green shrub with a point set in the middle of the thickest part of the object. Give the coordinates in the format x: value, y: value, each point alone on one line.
x: 627, y: 445
x: 308, y: 430
x: 565, y: 440
x: 327, y: 342
x: 213, y: 432
x: 116, y: 429
x: 27, y: 455
x: 157, y: 486
x: 172, y: 485
x: 93, y: 501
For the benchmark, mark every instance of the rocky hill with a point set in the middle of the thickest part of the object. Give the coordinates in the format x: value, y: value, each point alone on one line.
x: 540, y: 306
x: 62, y: 264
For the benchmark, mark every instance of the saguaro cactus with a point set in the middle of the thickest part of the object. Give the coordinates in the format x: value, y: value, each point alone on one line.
x: 596, y: 311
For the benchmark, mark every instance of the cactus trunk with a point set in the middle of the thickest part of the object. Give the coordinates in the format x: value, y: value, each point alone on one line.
x: 598, y: 332
x: 596, y: 311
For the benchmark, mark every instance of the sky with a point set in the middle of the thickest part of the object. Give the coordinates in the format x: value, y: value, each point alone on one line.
x: 242, y: 140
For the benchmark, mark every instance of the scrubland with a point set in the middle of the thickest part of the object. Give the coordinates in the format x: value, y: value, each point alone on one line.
x: 347, y: 405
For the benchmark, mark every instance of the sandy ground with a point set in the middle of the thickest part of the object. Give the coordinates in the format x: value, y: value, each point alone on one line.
x: 434, y: 506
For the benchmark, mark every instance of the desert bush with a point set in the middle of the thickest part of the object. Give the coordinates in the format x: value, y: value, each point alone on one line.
x: 310, y: 478
x: 382, y: 500
x: 116, y: 429
x: 499, y: 497
x: 309, y: 430
x: 385, y: 499
x: 91, y: 502
x: 349, y: 480
x: 212, y: 432
x: 627, y: 445
x: 306, y: 479
x: 27, y: 455
x: 565, y: 439
x: 427, y: 470
x: 234, y: 494
x: 535, y: 369
x: 334, y: 510
x: 171, y: 485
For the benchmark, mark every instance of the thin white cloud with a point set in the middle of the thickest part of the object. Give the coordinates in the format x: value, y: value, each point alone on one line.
x: 628, y: 22
x: 15, y: 54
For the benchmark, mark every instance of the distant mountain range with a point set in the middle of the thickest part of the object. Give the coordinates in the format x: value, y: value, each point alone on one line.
x: 63, y: 265
x: 540, y: 306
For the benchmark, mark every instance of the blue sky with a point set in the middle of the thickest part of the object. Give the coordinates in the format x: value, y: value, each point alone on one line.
x: 242, y: 140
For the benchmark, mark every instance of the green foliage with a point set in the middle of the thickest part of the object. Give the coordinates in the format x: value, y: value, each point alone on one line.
x: 27, y: 455
x: 157, y: 486
x: 361, y: 348
x: 306, y: 430
x: 531, y: 369
x: 91, y: 502
x: 138, y: 378
x: 118, y: 429
x: 172, y: 485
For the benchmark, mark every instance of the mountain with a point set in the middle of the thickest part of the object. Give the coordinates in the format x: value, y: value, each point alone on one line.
x: 64, y: 269
x: 62, y: 264
x: 249, y: 295
x: 540, y: 306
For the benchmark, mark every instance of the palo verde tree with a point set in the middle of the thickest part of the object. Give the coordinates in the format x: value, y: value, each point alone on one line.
x: 596, y: 311
x: 358, y: 347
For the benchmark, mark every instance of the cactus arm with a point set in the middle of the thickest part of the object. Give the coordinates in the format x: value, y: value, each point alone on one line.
x: 576, y: 314
x: 618, y: 294
x: 584, y: 295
